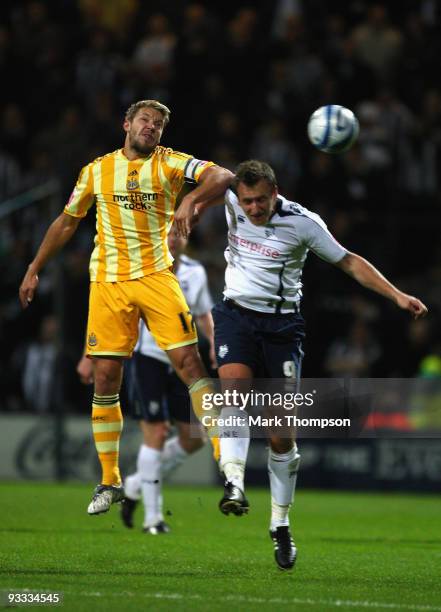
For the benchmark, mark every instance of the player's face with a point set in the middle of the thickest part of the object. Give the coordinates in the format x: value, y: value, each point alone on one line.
x: 145, y: 130
x: 176, y: 243
x: 258, y: 201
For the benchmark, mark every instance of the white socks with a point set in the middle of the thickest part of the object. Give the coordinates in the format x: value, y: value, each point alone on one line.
x: 132, y: 486
x: 234, y: 444
x: 142, y: 482
x: 282, y: 469
x: 149, y: 469
x: 173, y: 456
x: 153, y: 465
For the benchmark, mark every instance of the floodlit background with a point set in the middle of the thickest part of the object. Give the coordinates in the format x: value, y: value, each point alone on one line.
x: 241, y: 80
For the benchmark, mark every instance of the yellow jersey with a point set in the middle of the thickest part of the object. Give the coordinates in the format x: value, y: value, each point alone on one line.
x: 135, y: 202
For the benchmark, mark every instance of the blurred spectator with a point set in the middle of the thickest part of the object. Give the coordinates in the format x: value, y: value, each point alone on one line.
x: 13, y: 132
x: 113, y: 15
x: 10, y: 176
x: 97, y: 68
x: 244, y: 56
x: 199, y: 46
x: 272, y: 145
x: 285, y: 11
x: 240, y: 82
x: 228, y: 133
x: 378, y: 44
x: 278, y: 96
x: 306, y: 71
x: 7, y: 67
x: 355, y: 355
x: 70, y: 142
x: 39, y: 367
x: 419, y: 341
x: 104, y: 131
x: 197, y: 33
x: 41, y: 168
x: 355, y: 79
x: 153, y: 56
x: 424, y: 172
x: 34, y: 31
x: 375, y: 146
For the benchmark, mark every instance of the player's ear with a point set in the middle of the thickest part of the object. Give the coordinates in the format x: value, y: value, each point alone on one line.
x: 126, y: 125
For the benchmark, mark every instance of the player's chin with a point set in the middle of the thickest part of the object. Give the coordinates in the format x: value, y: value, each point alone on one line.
x: 261, y: 220
x: 144, y: 147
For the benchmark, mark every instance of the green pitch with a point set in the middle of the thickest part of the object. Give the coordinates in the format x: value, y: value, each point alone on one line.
x: 356, y: 552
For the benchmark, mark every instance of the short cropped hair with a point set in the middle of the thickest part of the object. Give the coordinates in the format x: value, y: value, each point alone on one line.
x: 252, y: 171
x: 134, y: 108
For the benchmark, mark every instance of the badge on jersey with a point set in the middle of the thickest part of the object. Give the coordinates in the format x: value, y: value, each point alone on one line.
x: 132, y: 181
x: 92, y: 340
x: 270, y: 232
x: 223, y: 350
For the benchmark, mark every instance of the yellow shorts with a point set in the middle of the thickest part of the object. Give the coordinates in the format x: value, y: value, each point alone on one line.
x: 115, y: 310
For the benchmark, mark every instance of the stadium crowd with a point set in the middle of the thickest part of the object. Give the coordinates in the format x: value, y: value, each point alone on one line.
x: 241, y: 80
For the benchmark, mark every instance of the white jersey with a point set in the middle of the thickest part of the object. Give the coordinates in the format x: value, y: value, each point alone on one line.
x: 265, y: 263
x: 193, y: 281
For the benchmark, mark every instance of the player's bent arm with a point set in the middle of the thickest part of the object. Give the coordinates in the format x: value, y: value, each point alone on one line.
x: 58, y: 234
x: 203, y: 206
x: 367, y: 275
x: 213, y: 183
x: 200, y: 208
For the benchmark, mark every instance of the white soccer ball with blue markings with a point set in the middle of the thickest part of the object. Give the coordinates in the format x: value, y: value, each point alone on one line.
x: 333, y: 128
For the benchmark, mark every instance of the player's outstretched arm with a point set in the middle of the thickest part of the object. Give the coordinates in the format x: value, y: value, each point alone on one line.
x: 213, y: 183
x: 59, y: 232
x: 368, y: 276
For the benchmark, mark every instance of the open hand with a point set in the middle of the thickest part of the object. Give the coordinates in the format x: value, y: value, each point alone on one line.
x: 185, y: 217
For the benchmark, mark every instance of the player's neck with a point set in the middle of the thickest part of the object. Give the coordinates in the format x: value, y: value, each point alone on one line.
x: 274, y: 210
x: 132, y: 154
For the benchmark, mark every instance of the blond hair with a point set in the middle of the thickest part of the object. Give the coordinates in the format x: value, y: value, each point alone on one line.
x: 134, y: 108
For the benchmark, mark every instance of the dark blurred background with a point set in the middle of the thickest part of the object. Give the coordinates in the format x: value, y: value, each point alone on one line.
x: 241, y: 80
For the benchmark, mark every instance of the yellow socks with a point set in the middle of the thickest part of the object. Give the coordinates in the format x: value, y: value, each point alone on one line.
x: 107, y: 424
x: 197, y: 392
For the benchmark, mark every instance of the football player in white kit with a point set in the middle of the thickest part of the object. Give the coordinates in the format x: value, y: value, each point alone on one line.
x: 258, y: 325
x: 156, y: 396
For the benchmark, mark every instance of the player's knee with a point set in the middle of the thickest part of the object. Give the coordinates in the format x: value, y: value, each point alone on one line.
x: 107, y: 377
x: 155, y: 434
x: 281, y: 445
x: 191, y: 445
x: 296, y: 463
x: 188, y: 364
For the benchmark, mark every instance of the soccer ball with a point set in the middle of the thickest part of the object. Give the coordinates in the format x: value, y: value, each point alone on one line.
x: 333, y: 128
